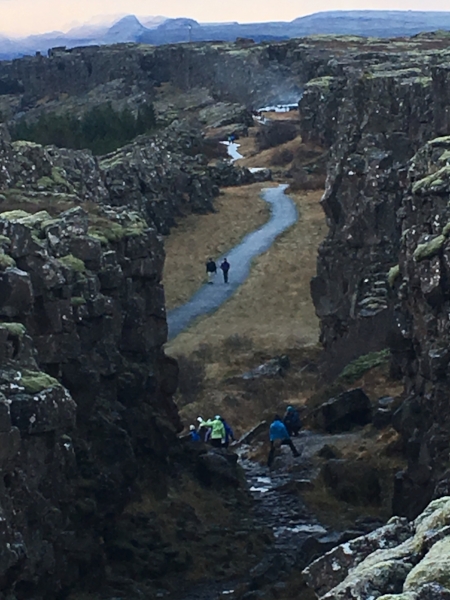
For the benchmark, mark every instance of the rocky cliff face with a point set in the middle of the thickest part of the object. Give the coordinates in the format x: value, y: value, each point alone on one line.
x: 252, y: 76
x: 375, y: 112
x: 89, y: 430
x: 420, y: 342
x: 382, y: 275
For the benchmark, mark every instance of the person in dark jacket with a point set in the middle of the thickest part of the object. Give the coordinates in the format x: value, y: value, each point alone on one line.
x: 194, y: 435
x: 229, y: 435
x: 279, y: 435
x: 225, y: 266
x: 292, y: 421
x: 211, y: 270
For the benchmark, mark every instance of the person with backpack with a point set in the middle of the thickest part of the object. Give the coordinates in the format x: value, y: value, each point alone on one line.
x: 211, y: 270
x: 278, y: 435
x: 228, y: 433
x: 292, y: 421
x: 225, y: 266
x: 218, y: 433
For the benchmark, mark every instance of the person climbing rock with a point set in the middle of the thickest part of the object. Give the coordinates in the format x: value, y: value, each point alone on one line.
x: 292, y: 421
x: 203, y: 431
x: 193, y: 434
x: 225, y: 266
x: 279, y: 435
x: 211, y: 270
x: 218, y: 433
x: 229, y: 435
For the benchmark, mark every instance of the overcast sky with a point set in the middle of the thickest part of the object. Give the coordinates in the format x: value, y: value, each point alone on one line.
x: 19, y: 17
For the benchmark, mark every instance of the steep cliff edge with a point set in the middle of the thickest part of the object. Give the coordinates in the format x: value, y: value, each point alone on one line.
x: 98, y: 492
x: 377, y: 110
x: 382, y: 273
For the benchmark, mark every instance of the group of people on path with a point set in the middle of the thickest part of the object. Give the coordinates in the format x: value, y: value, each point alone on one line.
x: 218, y: 432
x: 211, y: 270
x: 215, y: 431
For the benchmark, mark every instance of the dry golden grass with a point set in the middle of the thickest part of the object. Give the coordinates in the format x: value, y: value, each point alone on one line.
x: 264, y: 158
x: 239, y: 211
x: 292, y: 115
x: 273, y: 307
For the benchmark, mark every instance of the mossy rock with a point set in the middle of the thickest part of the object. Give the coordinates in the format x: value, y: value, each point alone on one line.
x: 36, y: 381
x: 356, y: 369
x: 14, y: 329
x: 436, y: 183
x: 77, y: 301
x: 6, y: 261
x: 320, y: 82
x: 429, y: 249
x: 73, y: 263
x: 433, y: 568
x: 393, y: 274
x: 34, y: 221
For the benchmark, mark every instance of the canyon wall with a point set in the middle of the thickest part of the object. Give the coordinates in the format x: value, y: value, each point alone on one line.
x: 97, y: 490
x: 382, y: 272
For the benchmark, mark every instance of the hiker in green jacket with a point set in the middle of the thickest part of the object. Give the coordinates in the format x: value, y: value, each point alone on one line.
x: 218, y: 433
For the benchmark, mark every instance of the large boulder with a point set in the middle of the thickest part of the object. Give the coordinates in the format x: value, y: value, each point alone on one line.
x: 400, y: 561
x: 348, y: 410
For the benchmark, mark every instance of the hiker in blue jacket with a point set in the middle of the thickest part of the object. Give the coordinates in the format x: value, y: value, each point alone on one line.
x: 279, y: 435
x: 292, y: 420
x: 228, y: 433
x: 193, y: 434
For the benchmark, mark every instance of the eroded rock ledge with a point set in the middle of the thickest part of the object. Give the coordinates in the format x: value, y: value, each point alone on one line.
x: 400, y: 561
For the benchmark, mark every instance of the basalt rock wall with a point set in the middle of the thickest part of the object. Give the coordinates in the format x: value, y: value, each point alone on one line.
x: 97, y: 491
x: 382, y: 275
x: 375, y: 116
x: 251, y: 75
x: 421, y: 336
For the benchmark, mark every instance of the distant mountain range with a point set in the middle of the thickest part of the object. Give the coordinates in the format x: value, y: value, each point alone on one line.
x: 160, y: 30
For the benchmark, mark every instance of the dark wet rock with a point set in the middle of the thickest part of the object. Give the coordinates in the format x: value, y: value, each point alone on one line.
x: 255, y: 433
x: 275, y: 367
x: 352, y: 481
x: 329, y: 452
x: 274, y: 133
x: 382, y: 418
x: 217, y: 467
x: 348, y: 410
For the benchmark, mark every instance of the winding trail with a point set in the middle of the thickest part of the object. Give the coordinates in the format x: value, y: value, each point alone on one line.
x: 210, y: 297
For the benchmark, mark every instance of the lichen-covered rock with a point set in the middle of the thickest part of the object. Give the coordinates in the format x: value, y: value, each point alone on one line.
x: 399, y: 561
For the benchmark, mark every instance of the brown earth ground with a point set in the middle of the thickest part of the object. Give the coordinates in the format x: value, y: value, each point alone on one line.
x: 273, y: 307
x: 271, y: 315
x: 238, y: 212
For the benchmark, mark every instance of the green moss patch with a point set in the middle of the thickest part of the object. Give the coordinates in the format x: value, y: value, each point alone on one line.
x: 36, y: 381
x: 15, y: 329
x: 436, y: 183
x: 429, y: 249
x: 393, y: 273
x: 6, y: 261
x: 356, y: 369
x: 77, y: 301
x: 71, y: 262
